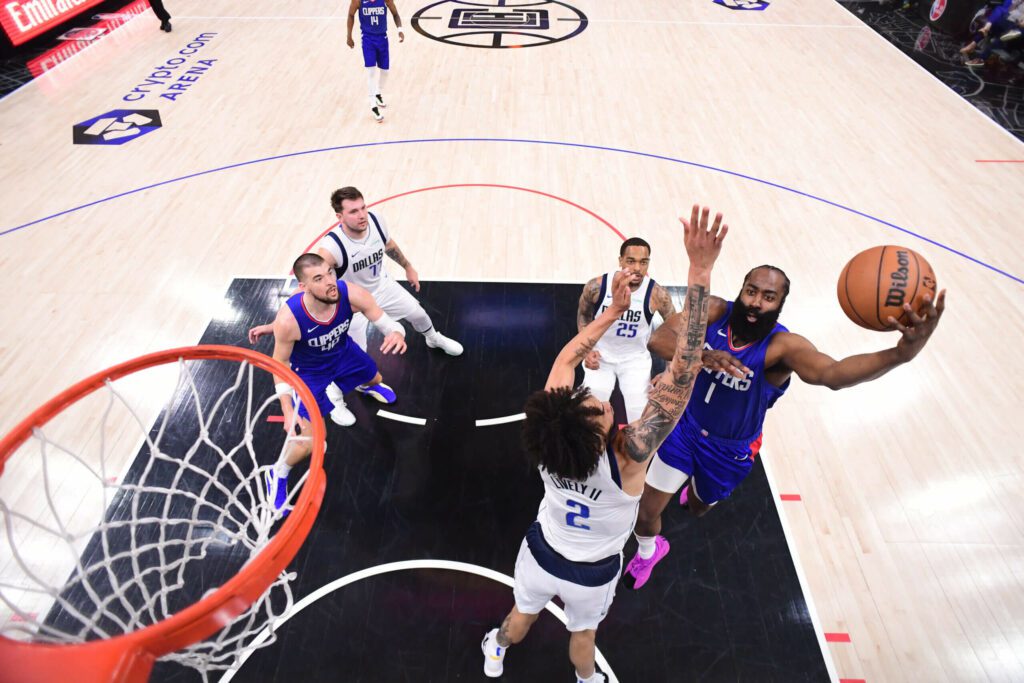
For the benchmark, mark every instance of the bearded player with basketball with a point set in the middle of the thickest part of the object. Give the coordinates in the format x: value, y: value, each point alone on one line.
x: 712, y: 449
x: 593, y: 474
x: 311, y: 335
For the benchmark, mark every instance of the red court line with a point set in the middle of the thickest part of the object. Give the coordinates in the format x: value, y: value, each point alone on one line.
x: 852, y: 680
x: 275, y: 418
x: 837, y: 637
x: 503, y: 187
x: 789, y: 496
x: 999, y: 161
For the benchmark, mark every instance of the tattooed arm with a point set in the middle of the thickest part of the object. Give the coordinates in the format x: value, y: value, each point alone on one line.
x: 671, y: 392
x: 396, y: 255
x: 588, y: 303
x: 661, y: 302
x: 563, y: 371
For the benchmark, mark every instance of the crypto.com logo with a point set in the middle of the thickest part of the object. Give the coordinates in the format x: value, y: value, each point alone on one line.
x: 499, y: 23
x: 116, y: 127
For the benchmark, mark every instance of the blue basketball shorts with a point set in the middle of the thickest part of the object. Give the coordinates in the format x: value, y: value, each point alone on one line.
x: 355, y: 367
x: 375, y: 50
x: 716, y: 465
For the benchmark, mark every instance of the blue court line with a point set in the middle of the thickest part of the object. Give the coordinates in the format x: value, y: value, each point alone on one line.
x: 553, y: 143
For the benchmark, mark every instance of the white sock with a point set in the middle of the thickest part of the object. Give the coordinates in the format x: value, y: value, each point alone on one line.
x: 647, y: 546
x: 371, y: 81
x: 594, y: 678
x: 383, y: 79
x: 281, y: 469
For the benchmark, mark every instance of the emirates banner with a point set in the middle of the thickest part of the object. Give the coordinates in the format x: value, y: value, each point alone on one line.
x: 25, y: 19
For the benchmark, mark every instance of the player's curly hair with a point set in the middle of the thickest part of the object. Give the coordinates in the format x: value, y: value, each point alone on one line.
x: 561, y: 433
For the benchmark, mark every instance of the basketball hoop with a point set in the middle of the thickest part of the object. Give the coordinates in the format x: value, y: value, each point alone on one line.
x: 140, y: 617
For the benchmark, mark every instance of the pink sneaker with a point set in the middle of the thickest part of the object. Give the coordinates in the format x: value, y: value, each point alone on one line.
x: 684, y: 497
x: 639, y: 570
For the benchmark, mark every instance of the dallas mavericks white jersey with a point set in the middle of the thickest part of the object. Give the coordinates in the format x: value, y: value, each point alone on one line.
x: 587, y: 521
x: 359, y: 262
x: 627, y: 338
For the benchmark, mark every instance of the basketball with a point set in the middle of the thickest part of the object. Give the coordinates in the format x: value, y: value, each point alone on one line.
x: 878, y: 281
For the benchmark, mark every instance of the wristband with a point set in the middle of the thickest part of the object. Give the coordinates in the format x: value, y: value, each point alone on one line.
x: 282, y: 388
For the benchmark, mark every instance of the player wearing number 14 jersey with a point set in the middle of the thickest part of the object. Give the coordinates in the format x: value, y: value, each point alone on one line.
x: 594, y: 475
x: 714, y: 445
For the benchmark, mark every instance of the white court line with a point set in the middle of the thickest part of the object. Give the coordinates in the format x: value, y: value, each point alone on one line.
x: 801, y: 577
x: 397, y: 567
x: 402, y: 418
x: 500, y: 420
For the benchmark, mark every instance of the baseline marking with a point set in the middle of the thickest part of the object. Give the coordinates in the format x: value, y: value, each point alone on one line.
x: 397, y: 567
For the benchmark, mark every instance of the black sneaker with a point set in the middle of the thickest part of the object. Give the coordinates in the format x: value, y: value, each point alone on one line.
x: 380, y: 100
x: 376, y: 114
x: 165, y: 25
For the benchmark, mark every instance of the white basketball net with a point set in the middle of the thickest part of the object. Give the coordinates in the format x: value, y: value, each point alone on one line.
x: 193, y: 507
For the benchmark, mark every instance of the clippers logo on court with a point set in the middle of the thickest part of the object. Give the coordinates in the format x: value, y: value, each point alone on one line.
x: 116, y: 127
x: 750, y: 5
x: 500, y: 23
x: 938, y: 9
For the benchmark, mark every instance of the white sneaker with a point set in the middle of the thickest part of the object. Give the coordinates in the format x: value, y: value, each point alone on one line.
x: 494, y: 654
x: 379, y: 100
x: 334, y: 394
x: 341, y: 415
x: 449, y: 346
x: 375, y: 110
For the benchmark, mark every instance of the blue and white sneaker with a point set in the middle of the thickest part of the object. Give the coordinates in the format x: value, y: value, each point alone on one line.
x: 382, y: 392
x: 277, y: 490
x: 494, y: 655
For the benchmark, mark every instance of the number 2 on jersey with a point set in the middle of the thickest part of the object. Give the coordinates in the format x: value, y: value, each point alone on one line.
x: 627, y: 330
x: 572, y: 518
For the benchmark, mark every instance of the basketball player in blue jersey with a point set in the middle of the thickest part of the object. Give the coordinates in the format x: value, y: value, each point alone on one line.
x: 593, y: 475
x: 373, y: 24
x: 311, y: 335
x: 713, y: 448
x: 621, y: 354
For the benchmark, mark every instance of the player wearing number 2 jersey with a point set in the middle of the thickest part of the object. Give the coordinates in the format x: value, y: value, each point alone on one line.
x: 594, y: 475
x: 621, y: 354
x: 714, y: 445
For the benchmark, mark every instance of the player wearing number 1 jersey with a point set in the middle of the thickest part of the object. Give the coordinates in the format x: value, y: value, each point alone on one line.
x: 621, y: 354
x: 594, y: 475
x: 714, y: 445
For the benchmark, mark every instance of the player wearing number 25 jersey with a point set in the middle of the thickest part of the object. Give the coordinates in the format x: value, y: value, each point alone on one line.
x: 593, y: 474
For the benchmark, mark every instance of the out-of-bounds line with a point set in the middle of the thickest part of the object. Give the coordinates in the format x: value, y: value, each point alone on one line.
x: 552, y: 143
x: 397, y: 567
x: 401, y: 418
x: 501, y: 420
x: 819, y: 632
x: 681, y: 22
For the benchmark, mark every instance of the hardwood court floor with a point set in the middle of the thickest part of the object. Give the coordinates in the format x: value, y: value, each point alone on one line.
x: 813, y: 135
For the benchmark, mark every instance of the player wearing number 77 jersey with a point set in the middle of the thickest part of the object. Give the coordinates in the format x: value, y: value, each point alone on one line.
x: 593, y: 475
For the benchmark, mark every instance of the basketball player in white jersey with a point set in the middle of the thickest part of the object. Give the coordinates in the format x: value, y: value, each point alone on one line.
x: 621, y: 354
x: 594, y: 476
x: 356, y: 250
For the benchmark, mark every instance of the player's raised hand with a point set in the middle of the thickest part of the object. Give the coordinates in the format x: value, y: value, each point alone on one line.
x: 393, y: 343
x: 917, y: 333
x: 621, y: 293
x: 592, y: 361
x: 401, y: 36
x: 717, y: 360
x: 703, y: 244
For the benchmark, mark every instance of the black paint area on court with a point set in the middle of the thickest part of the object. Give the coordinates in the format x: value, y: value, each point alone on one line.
x: 724, y: 605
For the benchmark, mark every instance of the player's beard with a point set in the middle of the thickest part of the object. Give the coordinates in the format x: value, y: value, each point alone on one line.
x: 752, y: 331
x: 326, y: 298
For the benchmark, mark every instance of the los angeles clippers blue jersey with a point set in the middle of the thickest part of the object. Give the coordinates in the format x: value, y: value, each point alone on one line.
x: 727, y: 407
x: 321, y: 351
x: 373, y: 17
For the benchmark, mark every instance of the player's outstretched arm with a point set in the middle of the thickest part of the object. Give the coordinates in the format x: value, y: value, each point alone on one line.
x: 390, y: 4
x: 661, y: 302
x: 352, y: 9
x: 563, y: 370
x: 585, y: 316
x: 663, y: 342
x: 396, y: 255
x: 286, y: 333
x: 815, y: 367
x: 394, y: 334
x: 671, y: 392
